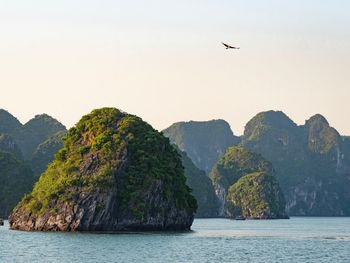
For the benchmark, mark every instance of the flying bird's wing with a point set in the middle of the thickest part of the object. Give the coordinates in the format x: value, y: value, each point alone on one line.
x: 228, y: 46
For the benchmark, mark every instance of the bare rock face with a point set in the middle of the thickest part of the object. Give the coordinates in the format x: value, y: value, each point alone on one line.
x: 114, y: 173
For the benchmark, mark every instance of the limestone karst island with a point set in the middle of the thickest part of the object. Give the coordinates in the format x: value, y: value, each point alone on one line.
x: 114, y: 172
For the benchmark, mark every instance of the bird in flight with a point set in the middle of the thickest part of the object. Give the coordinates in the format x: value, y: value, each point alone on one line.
x: 229, y: 47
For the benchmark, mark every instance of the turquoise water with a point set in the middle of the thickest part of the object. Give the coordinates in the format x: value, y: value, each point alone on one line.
x: 212, y: 240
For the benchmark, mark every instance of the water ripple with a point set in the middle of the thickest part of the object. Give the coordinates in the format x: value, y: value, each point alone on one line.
x: 212, y: 240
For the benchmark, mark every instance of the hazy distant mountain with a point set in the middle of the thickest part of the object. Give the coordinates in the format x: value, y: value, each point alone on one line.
x: 23, y: 147
x: 203, y: 141
x: 35, y: 132
x: 312, y: 161
x: 30, y: 135
x: 8, y: 123
x: 202, y: 187
x: 45, y: 152
x: 16, y: 179
x: 8, y: 145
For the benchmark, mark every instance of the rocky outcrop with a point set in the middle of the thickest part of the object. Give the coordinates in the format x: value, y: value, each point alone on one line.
x: 256, y: 196
x: 321, y: 138
x: 235, y: 163
x: 114, y: 173
x: 246, y: 186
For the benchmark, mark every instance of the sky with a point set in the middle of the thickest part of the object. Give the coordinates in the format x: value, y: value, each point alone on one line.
x: 163, y: 61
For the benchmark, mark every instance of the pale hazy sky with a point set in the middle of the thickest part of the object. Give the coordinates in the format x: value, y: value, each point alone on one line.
x: 163, y: 60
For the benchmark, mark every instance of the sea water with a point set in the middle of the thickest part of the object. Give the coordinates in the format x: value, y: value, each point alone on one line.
x: 299, y: 239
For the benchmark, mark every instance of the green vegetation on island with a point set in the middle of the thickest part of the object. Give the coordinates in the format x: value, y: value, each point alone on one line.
x: 115, y: 172
x: 246, y: 186
x: 235, y: 163
x: 257, y: 196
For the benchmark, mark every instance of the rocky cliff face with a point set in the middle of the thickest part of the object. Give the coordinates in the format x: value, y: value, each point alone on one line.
x: 204, y: 142
x: 115, y: 172
x: 245, y: 184
x: 311, y: 162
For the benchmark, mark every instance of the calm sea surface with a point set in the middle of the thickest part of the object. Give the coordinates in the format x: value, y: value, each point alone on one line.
x: 212, y: 240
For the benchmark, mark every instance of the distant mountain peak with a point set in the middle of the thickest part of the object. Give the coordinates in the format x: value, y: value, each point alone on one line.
x: 8, y: 123
x: 209, y: 121
x: 265, y: 121
x: 203, y: 141
x: 2, y: 111
x: 201, y: 124
x: 321, y: 137
x: 46, y: 118
x: 43, y: 115
x: 274, y: 118
x: 317, y: 118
